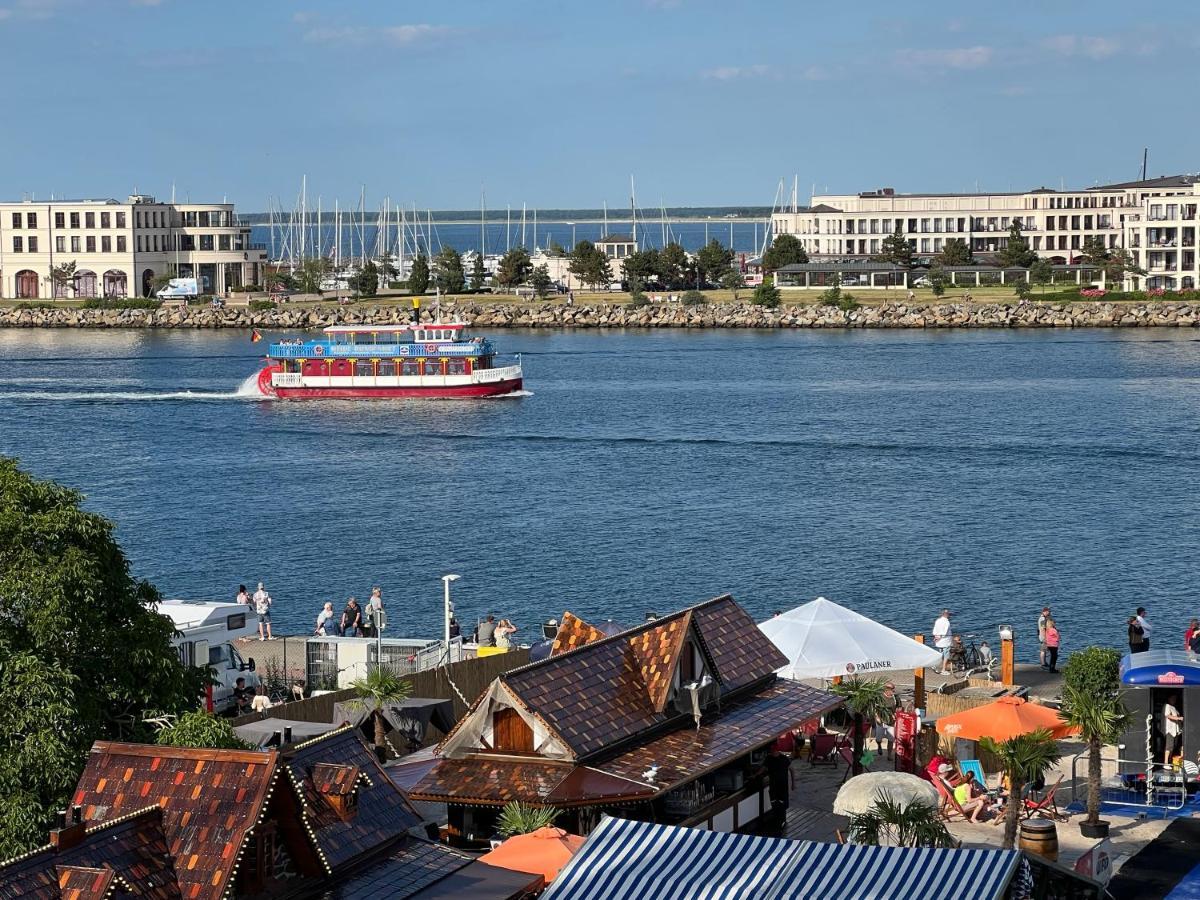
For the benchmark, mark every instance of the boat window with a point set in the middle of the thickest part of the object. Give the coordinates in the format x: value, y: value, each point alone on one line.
x: 364, y: 367
x: 433, y: 367
x: 341, y: 337
x: 387, y: 367
x: 404, y: 337
x: 410, y: 367
x: 456, y: 366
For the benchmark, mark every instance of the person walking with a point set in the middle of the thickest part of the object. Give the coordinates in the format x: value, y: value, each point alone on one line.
x: 262, y: 606
x: 1041, y: 625
x: 942, y: 640
x: 885, y: 720
x: 1052, y: 640
x: 1145, y: 623
x: 1172, y: 728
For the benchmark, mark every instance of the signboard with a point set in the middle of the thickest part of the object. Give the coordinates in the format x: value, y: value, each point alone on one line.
x: 1170, y: 678
x: 1096, y: 863
x: 869, y: 665
x: 906, y: 741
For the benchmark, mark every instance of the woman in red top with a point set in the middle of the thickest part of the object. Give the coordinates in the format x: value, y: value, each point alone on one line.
x: 1193, y: 626
x: 1053, y: 639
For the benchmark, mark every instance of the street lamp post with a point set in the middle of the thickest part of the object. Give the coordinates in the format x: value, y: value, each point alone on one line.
x: 448, y: 610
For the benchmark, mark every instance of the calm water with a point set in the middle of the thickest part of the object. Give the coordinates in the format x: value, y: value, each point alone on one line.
x: 896, y: 472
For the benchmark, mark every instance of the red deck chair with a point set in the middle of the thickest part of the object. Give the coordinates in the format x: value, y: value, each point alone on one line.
x: 823, y: 750
x: 1047, y: 806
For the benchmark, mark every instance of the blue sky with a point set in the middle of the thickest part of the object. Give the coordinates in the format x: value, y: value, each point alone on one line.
x: 557, y: 103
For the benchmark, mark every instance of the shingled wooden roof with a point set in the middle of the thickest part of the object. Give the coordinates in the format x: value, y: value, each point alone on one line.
x: 210, y: 799
x: 610, y: 690
x: 486, y: 781
x: 573, y: 632
x: 340, y: 762
x: 113, y: 857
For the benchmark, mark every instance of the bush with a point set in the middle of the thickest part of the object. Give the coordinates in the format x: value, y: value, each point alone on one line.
x: 694, y: 298
x: 44, y: 304
x: 261, y: 305
x: 247, y: 289
x: 121, y: 303
x: 638, y: 299
x: 766, y: 294
x: 848, y: 303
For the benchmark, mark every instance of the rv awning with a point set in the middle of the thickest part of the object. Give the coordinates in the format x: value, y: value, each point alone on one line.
x: 621, y: 857
x: 1161, y: 668
x: 823, y: 640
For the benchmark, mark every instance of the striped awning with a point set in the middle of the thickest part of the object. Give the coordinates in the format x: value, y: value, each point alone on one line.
x: 624, y: 860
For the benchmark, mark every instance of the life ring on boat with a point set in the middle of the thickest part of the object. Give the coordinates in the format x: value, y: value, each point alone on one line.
x: 265, y: 387
x: 431, y: 348
x: 318, y: 350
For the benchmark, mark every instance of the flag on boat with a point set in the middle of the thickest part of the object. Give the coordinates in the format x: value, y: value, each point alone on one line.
x: 255, y: 337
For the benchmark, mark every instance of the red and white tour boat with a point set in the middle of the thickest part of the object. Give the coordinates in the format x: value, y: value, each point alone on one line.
x: 419, y: 359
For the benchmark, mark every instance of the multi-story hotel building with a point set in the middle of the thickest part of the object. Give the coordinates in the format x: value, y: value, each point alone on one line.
x: 1154, y: 219
x: 119, y: 247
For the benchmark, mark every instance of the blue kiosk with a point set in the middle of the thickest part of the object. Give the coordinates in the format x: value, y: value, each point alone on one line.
x: 1152, y: 679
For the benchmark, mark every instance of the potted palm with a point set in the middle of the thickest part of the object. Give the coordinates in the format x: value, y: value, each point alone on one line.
x: 1023, y: 758
x: 1092, y: 702
x: 521, y: 818
x: 380, y: 688
x: 892, y: 823
x: 865, y: 701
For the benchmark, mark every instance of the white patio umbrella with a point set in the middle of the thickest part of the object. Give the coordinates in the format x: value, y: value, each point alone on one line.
x: 823, y: 640
x: 859, y: 794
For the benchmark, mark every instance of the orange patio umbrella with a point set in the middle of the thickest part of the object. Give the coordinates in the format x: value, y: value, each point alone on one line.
x: 542, y: 852
x: 1005, y: 718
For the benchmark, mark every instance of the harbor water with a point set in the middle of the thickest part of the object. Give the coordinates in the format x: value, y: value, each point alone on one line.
x: 897, y: 472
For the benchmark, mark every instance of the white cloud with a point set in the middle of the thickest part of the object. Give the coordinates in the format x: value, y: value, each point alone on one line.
x: 1090, y: 46
x: 396, y: 35
x: 816, y: 73
x: 949, y: 58
x: 729, y: 73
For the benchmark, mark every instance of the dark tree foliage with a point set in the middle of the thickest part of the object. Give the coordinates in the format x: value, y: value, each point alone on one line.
x: 590, y: 265
x: 448, y: 271
x: 673, y: 267
x: 785, y: 250
x: 478, y: 273
x: 955, y: 253
x: 897, y: 249
x: 713, y: 260
x: 515, y: 268
x: 418, y: 276
x: 82, y: 656
x: 540, y: 280
x: 1016, y: 253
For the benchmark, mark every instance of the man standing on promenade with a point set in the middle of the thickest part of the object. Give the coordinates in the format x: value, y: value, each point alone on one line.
x: 262, y: 606
x: 941, y: 638
x: 780, y: 781
x: 1042, y: 619
x: 1145, y: 623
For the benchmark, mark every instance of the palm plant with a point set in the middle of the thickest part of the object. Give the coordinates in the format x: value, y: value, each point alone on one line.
x: 1092, y: 702
x: 865, y: 700
x: 519, y: 818
x: 890, y: 823
x: 1023, y: 758
x: 380, y: 688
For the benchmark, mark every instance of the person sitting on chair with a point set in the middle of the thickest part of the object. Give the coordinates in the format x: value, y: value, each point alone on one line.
x: 971, y: 797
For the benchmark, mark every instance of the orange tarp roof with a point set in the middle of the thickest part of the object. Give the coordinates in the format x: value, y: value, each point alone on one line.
x: 1005, y: 718
x: 542, y: 852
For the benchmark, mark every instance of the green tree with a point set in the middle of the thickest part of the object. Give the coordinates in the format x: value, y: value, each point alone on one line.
x: 766, y: 294
x: 418, y: 275
x: 865, y: 701
x: 637, y: 296
x: 1016, y: 253
x: 540, y: 280
x: 693, y: 298
x: 556, y: 250
x: 1024, y: 758
x: 785, y: 250
x: 448, y: 272
x: 956, y: 253
x: 387, y: 267
x: 938, y: 278
x: 673, y: 266
x: 311, y: 273
x: 1092, y: 702
x: 514, y: 269
x: 365, y: 281
x: 733, y: 281
x: 643, y: 265
x: 83, y: 657
x: 590, y: 265
x: 280, y: 279
x: 1118, y: 265
x: 161, y: 280
x: 478, y: 273
x: 63, y: 276
x: 1023, y: 289
x: 713, y: 260
x: 377, y: 690
x: 1041, y: 272
x: 202, y: 730
x: 890, y: 823
x: 897, y: 249
x: 1093, y: 252
x: 519, y: 818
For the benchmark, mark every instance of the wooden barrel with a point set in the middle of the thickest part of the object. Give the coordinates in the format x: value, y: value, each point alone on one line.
x: 1041, y: 837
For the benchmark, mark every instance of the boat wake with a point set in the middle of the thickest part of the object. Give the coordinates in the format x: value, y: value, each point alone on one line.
x: 521, y: 393
x: 247, y: 390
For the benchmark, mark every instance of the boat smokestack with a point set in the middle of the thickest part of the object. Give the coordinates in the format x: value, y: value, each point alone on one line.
x: 416, y: 313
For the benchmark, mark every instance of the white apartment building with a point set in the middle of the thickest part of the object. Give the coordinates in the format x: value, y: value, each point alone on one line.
x: 1143, y: 216
x: 119, y: 247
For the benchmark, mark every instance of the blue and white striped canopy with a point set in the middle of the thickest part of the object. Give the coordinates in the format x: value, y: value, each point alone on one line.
x: 624, y: 860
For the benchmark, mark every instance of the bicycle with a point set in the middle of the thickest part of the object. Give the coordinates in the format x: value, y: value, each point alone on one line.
x: 974, y: 660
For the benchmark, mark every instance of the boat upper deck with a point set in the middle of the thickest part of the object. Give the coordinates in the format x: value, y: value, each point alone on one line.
x: 410, y: 340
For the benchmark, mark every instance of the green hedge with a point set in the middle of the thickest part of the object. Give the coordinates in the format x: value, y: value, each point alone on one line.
x: 261, y: 305
x: 121, y: 303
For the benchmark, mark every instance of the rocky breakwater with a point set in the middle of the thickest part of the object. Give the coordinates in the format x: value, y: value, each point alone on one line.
x: 615, y: 315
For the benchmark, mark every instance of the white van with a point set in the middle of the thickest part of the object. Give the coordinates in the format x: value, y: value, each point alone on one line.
x: 179, y: 289
x: 204, y: 634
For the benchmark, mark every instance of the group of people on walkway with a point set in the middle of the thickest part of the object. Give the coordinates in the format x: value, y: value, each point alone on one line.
x: 356, y: 620
x: 261, y: 601
x: 490, y: 633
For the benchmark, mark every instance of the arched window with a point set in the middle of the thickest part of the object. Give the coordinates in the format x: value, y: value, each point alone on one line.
x: 115, y: 284
x: 27, y: 284
x: 85, y: 283
x: 147, y: 281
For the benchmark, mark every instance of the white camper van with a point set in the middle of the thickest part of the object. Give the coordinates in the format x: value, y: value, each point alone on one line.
x: 205, y: 632
x: 179, y: 289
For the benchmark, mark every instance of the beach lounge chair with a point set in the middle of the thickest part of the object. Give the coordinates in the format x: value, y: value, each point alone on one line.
x: 950, y: 806
x: 1047, y: 807
x: 975, y: 767
x: 824, y: 750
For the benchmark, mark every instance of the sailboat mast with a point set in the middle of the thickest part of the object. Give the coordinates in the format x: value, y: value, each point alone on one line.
x: 633, y: 209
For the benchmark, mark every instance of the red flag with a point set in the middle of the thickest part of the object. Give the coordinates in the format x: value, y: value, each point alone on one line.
x: 255, y: 337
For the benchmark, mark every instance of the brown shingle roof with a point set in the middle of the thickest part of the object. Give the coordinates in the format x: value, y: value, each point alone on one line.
x: 574, y: 632
x: 604, y: 692
x: 132, y: 848
x: 209, y: 798
x: 482, y: 780
x: 382, y: 814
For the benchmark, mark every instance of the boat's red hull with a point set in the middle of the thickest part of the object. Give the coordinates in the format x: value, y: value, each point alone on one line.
x: 464, y: 391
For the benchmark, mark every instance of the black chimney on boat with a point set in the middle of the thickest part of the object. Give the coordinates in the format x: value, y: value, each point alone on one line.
x: 416, y: 313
